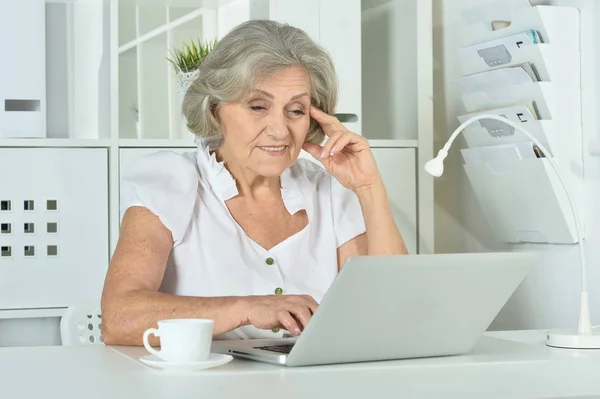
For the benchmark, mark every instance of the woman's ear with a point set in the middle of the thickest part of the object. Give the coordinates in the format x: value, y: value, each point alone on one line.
x: 214, y: 110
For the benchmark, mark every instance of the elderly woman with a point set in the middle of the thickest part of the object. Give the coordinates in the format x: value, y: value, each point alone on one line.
x: 242, y: 231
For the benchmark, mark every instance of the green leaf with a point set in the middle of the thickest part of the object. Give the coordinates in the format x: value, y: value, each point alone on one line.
x: 190, y: 55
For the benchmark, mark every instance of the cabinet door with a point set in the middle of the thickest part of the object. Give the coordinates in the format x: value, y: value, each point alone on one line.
x: 54, y: 246
x: 398, y: 169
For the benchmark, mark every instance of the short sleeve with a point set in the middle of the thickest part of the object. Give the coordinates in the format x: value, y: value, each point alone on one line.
x: 348, y: 221
x: 166, y: 183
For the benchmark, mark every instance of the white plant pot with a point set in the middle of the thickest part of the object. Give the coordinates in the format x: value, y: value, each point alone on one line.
x: 184, y: 80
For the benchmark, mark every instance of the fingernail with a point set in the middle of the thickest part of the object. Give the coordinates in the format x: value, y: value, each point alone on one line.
x: 332, y: 152
x: 323, y: 154
x: 297, y: 331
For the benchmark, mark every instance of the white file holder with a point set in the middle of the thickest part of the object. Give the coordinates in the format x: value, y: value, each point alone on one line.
x: 23, y: 69
x: 523, y: 200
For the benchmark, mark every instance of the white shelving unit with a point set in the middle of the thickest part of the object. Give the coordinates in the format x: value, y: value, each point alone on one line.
x: 148, y: 98
x: 110, y: 86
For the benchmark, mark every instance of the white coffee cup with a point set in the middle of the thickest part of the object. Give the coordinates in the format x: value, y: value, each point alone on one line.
x: 182, y: 340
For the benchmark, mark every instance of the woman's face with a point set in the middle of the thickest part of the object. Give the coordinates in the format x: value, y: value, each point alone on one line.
x: 265, y: 131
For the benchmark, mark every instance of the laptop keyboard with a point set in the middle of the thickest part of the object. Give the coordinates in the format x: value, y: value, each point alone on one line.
x: 277, y: 348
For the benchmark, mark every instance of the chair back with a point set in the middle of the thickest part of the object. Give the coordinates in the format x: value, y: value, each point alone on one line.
x: 81, y: 324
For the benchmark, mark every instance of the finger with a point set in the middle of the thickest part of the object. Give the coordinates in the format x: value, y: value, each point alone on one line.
x: 313, y: 149
x: 303, y: 314
x: 322, y: 117
x: 330, y: 144
x: 288, y: 322
x: 329, y: 123
x: 341, y: 143
x: 316, y: 151
x: 310, y: 302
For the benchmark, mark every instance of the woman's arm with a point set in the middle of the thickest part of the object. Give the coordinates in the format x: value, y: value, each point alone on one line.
x: 131, y: 302
x: 349, y: 159
x: 382, y: 236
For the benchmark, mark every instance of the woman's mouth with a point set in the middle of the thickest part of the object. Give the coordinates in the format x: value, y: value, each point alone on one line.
x: 274, y: 150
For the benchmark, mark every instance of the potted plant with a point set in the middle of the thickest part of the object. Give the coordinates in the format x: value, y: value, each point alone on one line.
x: 186, y: 60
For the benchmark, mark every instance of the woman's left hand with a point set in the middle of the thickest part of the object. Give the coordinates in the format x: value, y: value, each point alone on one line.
x: 346, y: 155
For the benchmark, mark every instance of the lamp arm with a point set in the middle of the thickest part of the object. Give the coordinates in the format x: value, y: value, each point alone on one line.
x: 584, y: 317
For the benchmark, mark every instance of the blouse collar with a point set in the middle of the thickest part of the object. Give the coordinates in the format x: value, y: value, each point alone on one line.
x: 223, y: 184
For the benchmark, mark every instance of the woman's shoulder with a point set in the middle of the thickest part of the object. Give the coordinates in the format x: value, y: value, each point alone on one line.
x: 166, y: 183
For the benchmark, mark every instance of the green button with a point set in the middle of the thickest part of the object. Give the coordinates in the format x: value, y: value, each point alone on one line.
x: 278, y: 291
x: 270, y: 261
x: 275, y: 330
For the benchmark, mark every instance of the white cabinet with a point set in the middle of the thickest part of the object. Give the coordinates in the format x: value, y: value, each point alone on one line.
x: 53, y: 226
x: 397, y: 166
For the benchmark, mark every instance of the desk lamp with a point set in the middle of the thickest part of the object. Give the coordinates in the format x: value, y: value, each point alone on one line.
x: 584, y: 338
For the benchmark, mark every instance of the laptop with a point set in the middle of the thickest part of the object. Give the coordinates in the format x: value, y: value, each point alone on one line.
x: 398, y: 307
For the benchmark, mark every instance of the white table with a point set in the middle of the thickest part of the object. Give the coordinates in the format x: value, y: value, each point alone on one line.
x: 504, y: 365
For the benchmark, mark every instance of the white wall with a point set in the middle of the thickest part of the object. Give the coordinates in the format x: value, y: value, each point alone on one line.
x: 549, y: 297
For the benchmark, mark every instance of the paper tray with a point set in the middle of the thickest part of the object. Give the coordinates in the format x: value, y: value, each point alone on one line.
x: 560, y: 144
x: 552, y: 101
x: 552, y: 63
x: 558, y: 26
x: 525, y: 202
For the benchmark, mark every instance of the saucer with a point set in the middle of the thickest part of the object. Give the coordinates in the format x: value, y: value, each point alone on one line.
x: 213, y: 360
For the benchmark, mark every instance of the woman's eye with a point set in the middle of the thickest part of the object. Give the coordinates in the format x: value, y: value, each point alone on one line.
x: 298, y: 112
x: 257, y: 108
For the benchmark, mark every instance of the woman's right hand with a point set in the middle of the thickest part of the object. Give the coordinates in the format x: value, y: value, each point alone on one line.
x: 291, y: 312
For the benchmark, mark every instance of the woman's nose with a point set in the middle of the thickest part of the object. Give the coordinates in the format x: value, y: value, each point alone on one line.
x: 277, y: 127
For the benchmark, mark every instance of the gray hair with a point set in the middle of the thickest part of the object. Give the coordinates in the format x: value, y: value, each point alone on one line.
x: 244, y: 57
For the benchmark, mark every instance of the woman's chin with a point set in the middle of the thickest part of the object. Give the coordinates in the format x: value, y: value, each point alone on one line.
x: 275, y: 168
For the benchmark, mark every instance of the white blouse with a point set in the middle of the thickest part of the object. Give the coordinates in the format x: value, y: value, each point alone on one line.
x: 213, y: 256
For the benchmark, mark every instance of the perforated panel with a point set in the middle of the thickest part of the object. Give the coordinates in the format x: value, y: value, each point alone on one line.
x: 53, y: 226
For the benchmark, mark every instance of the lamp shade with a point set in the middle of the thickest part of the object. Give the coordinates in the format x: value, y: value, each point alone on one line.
x: 435, y: 166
